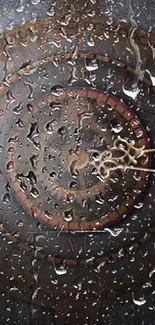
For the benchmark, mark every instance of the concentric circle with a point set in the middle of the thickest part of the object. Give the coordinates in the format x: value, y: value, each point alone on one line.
x: 65, y: 162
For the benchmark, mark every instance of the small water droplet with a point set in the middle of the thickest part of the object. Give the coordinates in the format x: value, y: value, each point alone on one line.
x: 34, y: 161
x: 61, y: 270
x: 49, y: 128
x: 35, y: 2
x: 20, y: 123
x: 152, y: 272
x: 73, y: 184
x: 10, y: 166
x: 90, y: 41
x: 114, y: 232
x: 51, y: 11
x: 92, y: 65
x: 34, y: 212
x: 138, y: 205
x: 62, y: 131
x: 35, y: 293
x: 48, y: 215
x: 34, y: 192
x: 68, y: 215
x: 18, y: 108
x: 21, y: 6
x: 1, y: 148
x: 30, y: 109
x: 116, y: 127
x: 32, y: 178
x: 52, y: 174
x: 131, y: 93
x: 6, y: 198
x: 139, y: 302
x: 20, y: 223
x: 23, y: 186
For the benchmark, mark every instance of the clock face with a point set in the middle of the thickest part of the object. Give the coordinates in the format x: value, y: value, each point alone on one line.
x: 77, y: 188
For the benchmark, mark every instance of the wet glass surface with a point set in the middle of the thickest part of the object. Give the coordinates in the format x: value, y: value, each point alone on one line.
x: 77, y: 173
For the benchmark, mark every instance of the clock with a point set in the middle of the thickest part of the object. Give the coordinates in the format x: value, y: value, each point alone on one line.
x: 77, y: 181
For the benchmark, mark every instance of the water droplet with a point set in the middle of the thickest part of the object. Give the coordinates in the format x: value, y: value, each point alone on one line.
x: 10, y: 166
x: 34, y: 161
x: 52, y: 174
x: 82, y: 218
x: 34, y: 212
x: 14, y: 289
x: 23, y: 186
x: 51, y: 11
x: 73, y: 168
x: 152, y: 78
x: 69, y: 197
x: 139, y: 302
x: 49, y: 128
x: 152, y: 272
x: 68, y: 215
x: 30, y: 109
x: 13, y: 139
x: 91, y: 65
x: 21, y: 6
x: 61, y: 270
x: 90, y: 41
x: 18, y: 108
x: 34, y: 192
x: 57, y: 90
x: 73, y: 184
x: 114, y: 232
x: 20, y: 223
x: 6, y: 198
x: 138, y: 205
x: 32, y: 178
x: 1, y: 112
x: 48, y: 215
x: 35, y: 2
x: 62, y: 131
x: 131, y: 93
x: 20, y: 123
x: 7, y: 187
x: 35, y: 293
x: 1, y: 148
x: 98, y: 268
x: 116, y: 127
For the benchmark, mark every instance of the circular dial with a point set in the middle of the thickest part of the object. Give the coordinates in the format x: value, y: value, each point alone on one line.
x: 73, y: 159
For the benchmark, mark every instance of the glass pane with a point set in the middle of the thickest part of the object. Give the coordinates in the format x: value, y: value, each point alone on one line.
x: 77, y: 174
